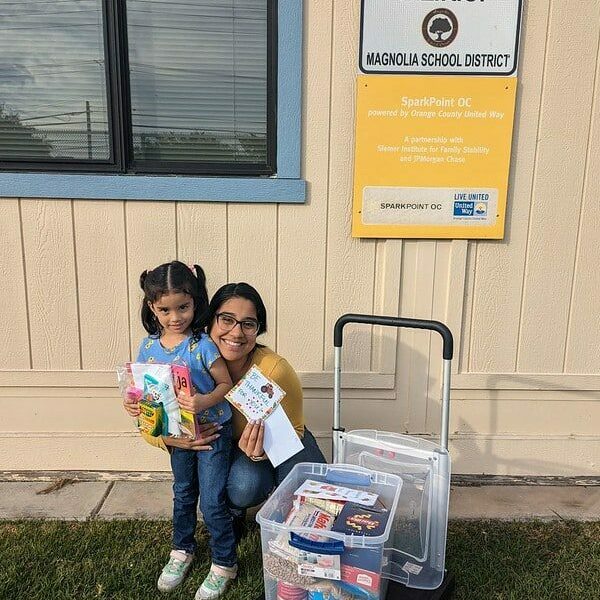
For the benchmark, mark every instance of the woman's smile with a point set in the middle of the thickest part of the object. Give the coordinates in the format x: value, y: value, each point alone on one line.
x: 234, y: 344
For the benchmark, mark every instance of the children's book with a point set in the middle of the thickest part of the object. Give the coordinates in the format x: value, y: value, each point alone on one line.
x: 356, y: 519
x: 257, y: 397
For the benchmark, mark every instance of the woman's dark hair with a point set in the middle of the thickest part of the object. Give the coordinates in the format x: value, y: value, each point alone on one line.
x: 238, y: 290
x: 169, y: 278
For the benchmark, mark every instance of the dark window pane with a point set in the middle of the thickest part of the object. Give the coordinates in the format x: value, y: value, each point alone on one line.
x: 52, y: 81
x: 198, y: 78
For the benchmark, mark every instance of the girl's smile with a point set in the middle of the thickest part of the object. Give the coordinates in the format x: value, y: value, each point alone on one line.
x: 175, y: 313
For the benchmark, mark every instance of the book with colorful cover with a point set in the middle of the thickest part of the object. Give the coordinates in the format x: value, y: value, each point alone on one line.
x: 356, y: 519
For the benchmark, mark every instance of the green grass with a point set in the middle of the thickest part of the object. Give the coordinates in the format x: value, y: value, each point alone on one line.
x: 120, y: 560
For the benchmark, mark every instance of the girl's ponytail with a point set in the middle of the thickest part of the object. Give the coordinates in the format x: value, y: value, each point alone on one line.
x: 201, y: 309
x: 149, y: 321
x: 200, y: 276
x: 143, y: 278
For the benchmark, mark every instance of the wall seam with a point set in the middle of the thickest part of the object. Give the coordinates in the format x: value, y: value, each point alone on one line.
x: 127, y: 282
x: 176, y: 219
x: 532, y: 192
x: 378, y: 245
x: 581, y: 207
x: 277, y: 248
x: 24, y: 265
x: 76, y: 270
x: 327, y: 187
x: 227, y: 276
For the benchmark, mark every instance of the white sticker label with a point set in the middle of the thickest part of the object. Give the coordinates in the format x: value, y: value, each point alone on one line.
x: 326, y: 566
x: 412, y: 568
x: 383, y: 205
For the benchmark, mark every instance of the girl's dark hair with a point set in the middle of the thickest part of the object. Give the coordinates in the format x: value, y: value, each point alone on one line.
x: 174, y: 277
x: 238, y: 290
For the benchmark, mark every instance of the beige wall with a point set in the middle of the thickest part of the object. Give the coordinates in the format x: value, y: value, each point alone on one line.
x: 524, y: 311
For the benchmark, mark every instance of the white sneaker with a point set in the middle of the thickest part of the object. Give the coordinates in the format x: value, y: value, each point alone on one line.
x: 216, y: 583
x: 175, y: 570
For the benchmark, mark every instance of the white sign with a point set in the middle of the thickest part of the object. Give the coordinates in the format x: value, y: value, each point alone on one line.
x: 461, y: 37
x: 384, y: 205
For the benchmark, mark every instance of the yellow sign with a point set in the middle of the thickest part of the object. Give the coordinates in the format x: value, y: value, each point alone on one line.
x: 432, y: 156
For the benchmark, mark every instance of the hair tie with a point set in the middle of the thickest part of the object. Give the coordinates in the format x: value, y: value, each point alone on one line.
x: 192, y: 268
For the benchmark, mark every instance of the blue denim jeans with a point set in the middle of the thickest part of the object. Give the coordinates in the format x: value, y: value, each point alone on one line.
x: 204, y: 475
x: 250, y: 482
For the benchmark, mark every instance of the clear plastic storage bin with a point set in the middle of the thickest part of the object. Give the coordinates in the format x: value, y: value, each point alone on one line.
x: 415, y: 551
x: 282, y: 579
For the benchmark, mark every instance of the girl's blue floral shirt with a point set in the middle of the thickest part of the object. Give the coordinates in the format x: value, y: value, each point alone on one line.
x: 199, y: 357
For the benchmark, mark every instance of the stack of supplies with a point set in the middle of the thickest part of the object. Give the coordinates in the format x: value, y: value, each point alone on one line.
x: 155, y: 387
x: 304, y: 571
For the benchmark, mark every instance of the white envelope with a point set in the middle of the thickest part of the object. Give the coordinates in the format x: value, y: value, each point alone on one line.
x: 281, y: 440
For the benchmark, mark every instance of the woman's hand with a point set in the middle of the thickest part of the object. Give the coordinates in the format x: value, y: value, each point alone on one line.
x: 205, y: 432
x: 132, y: 407
x: 251, y: 442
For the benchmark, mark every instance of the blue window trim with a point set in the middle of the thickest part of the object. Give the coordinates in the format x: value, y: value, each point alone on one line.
x: 286, y: 186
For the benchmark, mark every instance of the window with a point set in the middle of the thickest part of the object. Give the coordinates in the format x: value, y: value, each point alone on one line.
x: 138, y: 86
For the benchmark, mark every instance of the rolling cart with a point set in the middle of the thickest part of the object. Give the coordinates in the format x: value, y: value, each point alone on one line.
x: 414, y: 557
x: 411, y: 476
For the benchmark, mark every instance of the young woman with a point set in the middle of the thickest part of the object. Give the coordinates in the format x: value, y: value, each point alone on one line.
x: 237, y: 316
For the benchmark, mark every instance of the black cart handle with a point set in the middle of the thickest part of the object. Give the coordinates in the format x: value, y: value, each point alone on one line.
x: 395, y: 322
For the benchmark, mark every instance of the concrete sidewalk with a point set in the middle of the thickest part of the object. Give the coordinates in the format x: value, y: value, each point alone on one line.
x: 68, y: 498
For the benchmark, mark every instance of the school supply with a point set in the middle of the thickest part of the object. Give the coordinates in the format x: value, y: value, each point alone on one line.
x: 164, y: 384
x: 333, y: 507
x: 328, y: 491
x: 303, y: 516
x: 182, y: 382
x: 151, y: 419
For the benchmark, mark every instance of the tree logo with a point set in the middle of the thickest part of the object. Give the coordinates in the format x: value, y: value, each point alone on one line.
x: 440, y: 27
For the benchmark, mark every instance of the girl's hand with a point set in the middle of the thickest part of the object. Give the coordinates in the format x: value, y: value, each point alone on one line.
x: 206, y: 432
x: 251, y: 442
x: 194, y: 404
x: 132, y: 407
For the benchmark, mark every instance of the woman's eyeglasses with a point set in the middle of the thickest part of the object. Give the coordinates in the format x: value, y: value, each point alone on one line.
x: 227, y: 323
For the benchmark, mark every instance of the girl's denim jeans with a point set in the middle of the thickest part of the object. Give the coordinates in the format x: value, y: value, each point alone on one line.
x: 204, y: 475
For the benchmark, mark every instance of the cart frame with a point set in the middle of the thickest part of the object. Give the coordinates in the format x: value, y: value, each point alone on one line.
x: 398, y: 322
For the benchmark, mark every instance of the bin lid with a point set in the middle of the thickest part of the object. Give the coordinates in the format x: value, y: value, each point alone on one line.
x: 415, y: 552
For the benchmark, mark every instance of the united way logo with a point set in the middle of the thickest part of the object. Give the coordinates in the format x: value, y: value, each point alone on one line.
x: 440, y: 27
x: 470, y: 209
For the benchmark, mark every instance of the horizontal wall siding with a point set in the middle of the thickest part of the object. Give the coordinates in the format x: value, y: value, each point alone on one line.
x: 523, y: 310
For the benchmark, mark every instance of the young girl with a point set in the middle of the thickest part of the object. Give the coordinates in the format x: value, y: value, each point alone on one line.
x: 173, y: 312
